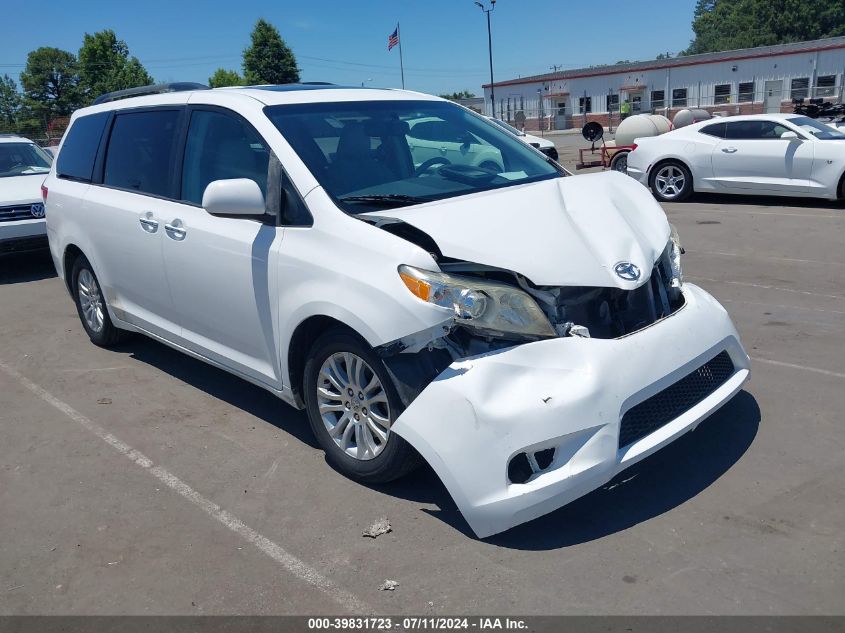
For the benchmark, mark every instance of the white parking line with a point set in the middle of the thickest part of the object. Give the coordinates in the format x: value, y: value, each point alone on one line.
x: 780, y: 363
x: 774, y: 257
x: 288, y: 561
x: 765, y: 287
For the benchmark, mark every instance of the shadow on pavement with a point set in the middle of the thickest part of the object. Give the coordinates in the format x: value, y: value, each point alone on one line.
x: 221, y: 385
x: 17, y: 268
x: 778, y: 202
x: 646, y: 490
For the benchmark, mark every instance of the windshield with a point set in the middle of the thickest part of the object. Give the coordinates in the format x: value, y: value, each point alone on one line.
x: 23, y: 159
x: 373, y: 154
x: 508, y: 127
x: 817, y: 130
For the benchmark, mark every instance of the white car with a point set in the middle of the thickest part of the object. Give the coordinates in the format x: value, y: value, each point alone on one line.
x: 527, y: 333
x: 759, y: 154
x: 543, y: 144
x: 23, y: 166
x: 433, y: 141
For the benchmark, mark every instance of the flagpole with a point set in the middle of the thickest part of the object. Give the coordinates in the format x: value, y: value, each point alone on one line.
x: 401, y: 63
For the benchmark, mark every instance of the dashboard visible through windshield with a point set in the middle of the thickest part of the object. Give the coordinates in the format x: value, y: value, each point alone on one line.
x: 23, y: 159
x: 375, y: 154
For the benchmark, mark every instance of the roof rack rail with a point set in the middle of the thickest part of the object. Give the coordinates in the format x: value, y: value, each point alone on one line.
x: 179, y: 86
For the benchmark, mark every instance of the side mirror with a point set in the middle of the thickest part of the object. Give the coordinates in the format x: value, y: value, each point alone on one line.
x: 238, y: 196
x: 790, y: 136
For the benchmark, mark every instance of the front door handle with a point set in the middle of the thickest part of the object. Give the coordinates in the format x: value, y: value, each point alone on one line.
x: 729, y: 150
x: 175, y: 231
x: 148, y: 223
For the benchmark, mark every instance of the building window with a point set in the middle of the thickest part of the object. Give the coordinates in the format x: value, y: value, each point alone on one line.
x: 658, y: 99
x: 561, y: 108
x: 800, y: 88
x: 722, y: 94
x: 585, y: 104
x: 746, y: 91
x: 613, y: 103
x: 826, y: 86
x: 679, y: 98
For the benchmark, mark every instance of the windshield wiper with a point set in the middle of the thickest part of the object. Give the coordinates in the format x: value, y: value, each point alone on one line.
x: 386, y: 199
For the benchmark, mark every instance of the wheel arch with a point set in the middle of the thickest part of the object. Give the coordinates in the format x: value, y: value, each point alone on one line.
x: 303, y: 337
x: 671, y: 159
x: 71, y: 253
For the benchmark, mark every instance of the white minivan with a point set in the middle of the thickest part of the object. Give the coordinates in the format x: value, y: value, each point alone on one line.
x: 526, y: 333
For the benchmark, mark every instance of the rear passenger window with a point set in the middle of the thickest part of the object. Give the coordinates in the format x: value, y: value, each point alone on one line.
x: 140, y: 151
x: 76, y: 160
x: 715, y: 129
x: 220, y: 147
x: 755, y: 129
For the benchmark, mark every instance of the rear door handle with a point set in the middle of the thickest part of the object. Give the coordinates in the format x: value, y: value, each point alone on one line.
x: 175, y: 231
x: 148, y: 223
x: 729, y: 150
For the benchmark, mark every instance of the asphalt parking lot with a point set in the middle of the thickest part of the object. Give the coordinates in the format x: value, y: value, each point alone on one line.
x: 141, y: 481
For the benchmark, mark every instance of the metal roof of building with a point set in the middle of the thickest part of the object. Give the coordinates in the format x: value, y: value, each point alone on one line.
x: 688, y: 60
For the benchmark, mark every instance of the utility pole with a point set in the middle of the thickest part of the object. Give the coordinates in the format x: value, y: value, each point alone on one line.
x: 490, y: 52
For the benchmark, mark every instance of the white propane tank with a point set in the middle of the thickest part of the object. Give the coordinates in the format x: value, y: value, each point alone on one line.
x: 641, y: 125
x: 688, y: 116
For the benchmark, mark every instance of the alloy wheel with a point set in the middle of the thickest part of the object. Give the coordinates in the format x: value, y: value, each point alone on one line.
x: 90, y: 300
x: 353, y: 405
x: 670, y: 181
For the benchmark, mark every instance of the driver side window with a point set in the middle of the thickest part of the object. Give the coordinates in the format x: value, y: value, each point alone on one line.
x: 220, y: 146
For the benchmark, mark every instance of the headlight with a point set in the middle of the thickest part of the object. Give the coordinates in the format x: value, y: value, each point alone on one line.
x: 497, y: 309
x: 675, y: 252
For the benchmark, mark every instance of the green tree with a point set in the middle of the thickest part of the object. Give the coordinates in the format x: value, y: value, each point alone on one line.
x: 222, y: 78
x: 268, y: 60
x: 105, y: 66
x: 51, y: 82
x: 10, y: 103
x: 730, y: 24
x: 463, y: 94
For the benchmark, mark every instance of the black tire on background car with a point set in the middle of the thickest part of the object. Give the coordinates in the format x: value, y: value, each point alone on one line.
x: 91, y: 305
x: 351, y: 403
x: 670, y: 181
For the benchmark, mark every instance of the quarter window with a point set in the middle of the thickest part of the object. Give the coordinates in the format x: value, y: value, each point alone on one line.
x: 220, y: 147
x: 140, y: 151
x: 746, y: 91
x: 76, y: 160
x: 800, y: 88
x: 722, y: 94
x: 679, y: 98
x: 715, y: 129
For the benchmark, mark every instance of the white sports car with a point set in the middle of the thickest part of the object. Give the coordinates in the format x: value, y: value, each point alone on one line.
x: 768, y: 154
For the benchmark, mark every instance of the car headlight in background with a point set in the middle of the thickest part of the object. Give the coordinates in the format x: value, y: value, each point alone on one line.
x: 675, y: 252
x: 497, y: 309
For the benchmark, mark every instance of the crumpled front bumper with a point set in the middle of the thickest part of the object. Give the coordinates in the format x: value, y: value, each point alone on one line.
x: 568, y: 394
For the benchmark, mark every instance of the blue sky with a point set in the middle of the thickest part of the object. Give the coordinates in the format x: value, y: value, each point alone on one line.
x: 444, y: 41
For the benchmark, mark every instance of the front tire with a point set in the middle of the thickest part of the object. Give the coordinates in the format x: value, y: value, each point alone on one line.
x: 670, y: 182
x: 91, y: 305
x: 351, y: 404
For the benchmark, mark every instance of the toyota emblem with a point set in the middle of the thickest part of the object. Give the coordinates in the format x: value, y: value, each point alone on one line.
x: 627, y: 271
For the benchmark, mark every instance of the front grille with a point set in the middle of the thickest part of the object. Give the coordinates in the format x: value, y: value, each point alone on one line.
x: 663, y: 407
x: 19, y: 212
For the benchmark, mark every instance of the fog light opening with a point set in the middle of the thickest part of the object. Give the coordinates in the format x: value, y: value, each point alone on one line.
x: 524, y: 466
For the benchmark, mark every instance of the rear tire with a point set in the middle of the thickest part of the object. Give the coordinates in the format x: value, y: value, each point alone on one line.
x: 91, y: 305
x: 670, y: 181
x: 351, y: 404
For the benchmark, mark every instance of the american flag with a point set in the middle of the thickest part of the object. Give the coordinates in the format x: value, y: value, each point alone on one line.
x: 393, y: 40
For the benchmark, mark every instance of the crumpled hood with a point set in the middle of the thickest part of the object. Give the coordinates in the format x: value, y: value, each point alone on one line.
x: 563, y: 232
x: 15, y: 190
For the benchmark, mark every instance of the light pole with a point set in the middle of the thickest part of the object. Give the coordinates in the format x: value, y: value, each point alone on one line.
x: 490, y: 51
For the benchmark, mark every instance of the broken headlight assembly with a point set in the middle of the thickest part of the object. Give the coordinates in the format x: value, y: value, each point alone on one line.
x: 493, y: 309
x: 675, y: 251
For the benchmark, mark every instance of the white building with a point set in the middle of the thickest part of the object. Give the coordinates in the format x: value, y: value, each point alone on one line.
x: 763, y: 79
